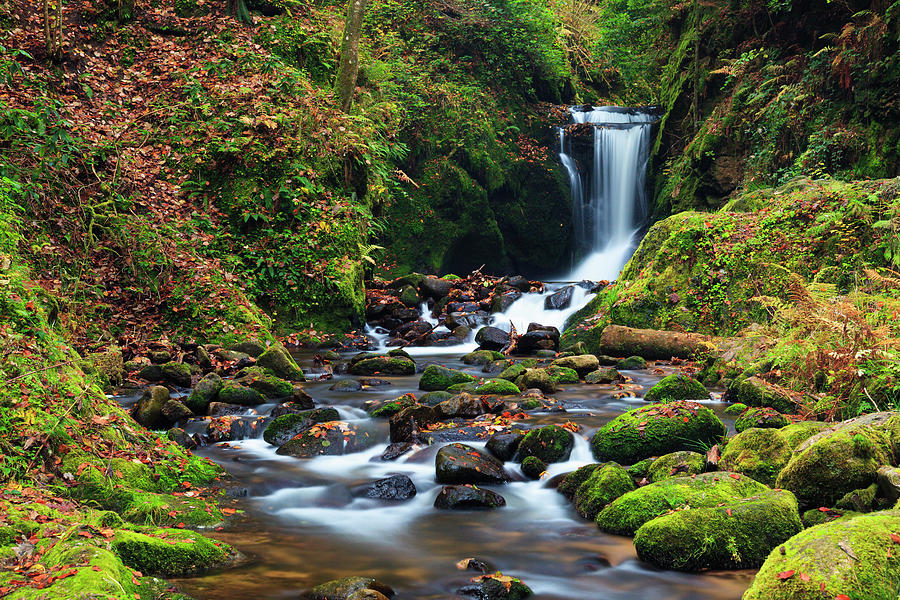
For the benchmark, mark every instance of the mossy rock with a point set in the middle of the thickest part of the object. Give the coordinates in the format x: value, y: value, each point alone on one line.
x: 285, y: 427
x: 841, y: 459
x: 676, y: 387
x: 676, y: 464
x: 862, y: 500
x: 632, y: 363
x: 206, y: 391
x: 347, y: 588
x: 757, y: 453
x: 265, y: 383
x: 392, y: 407
x: 252, y: 348
x: 384, y: 365
x: 148, y: 409
x: 627, y: 513
x: 482, y: 357
x: 797, y: 433
x: 277, y: 359
x: 551, y: 444
x: 536, y: 379
x: 497, y: 387
x: 737, y: 535
x: 641, y: 469
x: 513, y: 372
x: 761, y: 418
x: 176, y: 373
x: 603, y: 375
x: 437, y: 378
x: 603, y: 485
x: 233, y: 392
x: 572, y: 481
x: 582, y: 363
x: 753, y: 391
x: 562, y: 374
x: 856, y: 557
x: 102, y: 575
x: 533, y: 467
x: 501, y: 587
x: 330, y: 438
x: 435, y: 398
x: 170, y: 552
x: 736, y: 409
x: 656, y: 430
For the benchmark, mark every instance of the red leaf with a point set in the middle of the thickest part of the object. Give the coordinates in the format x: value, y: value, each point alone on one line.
x: 804, y: 577
x: 786, y: 574
x: 734, y: 475
x: 728, y: 511
x: 842, y: 597
x: 896, y: 538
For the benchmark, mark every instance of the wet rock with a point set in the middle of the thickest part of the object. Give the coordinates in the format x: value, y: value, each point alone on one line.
x: 391, y: 407
x: 285, y: 427
x: 630, y: 511
x: 454, y: 320
x: 264, y: 382
x: 604, y: 375
x: 409, y: 296
x: 181, y: 437
x: 230, y: 355
x: 676, y: 387
x: 734, y: 410
x: 738, y: 535
x: 533, y: 467
x: 754, y: 391
x: 461, y: 333
x: 343, y: 589
x: 432, y: 287
x: 850, y: 559
x: 159, y: 357
x: 438, y: 378
x: 226, y: 429
x: 405, y: 424
x: 206, y: 391
x: 520, y: 283
x: 466, y: 497
x: 551, y: 444
x: 763, y: 453
x: 252, y: 348
x: 656, y: 430
x: 300, y: 399
x: 632, y: 363
x: 277, y: 359
x: 385, y: 365
x: 330, y: 438
x: 148, y: 409
x: 395, y: 487
x: 176, y: 374
x: 504, y: 445
x: 458, y: 463
x: 572, y: 481
x: 676, y: 464
x: 559, y: 300
x: 374, y: 382
x: 481, y: 357
x: 563, y: 375
x: 538, y: 339
x: 538, y: 379
x: 602, y: 485
x: 496, y: 387
x: 346, y: 385
x: 223, y: 409
x: 497, y: 586
x: 582, y: 364
x: 889, y: 482
x: 460, y: 406
x: 492, y: 338
x: 502, y: 302
x: 174, y: 411
x: 396, y: 450
x: 234, y: 393
x: 761, y: 418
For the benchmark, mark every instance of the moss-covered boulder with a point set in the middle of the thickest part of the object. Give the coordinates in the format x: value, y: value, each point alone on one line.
x: 233, y: 392
x: 435, y: 398
x: 533, y: 467
x: 513, y: 372
x: 736, y: 409
x: 389, y: 408
x: 551, y: 444
x: 277, y: 359
x: 761, y: 418
x: 329, y: 438
x: 757, y: 453
x: 631, y: 363
x: 562, y: 375
x: 170, y: 552
x: 603, y: 484
x: 265, y: 382
x: 855, y: 557
x: 602, y: 375
x: 582, y: 363
x: 282, y: 429
x: 754, y: 391
x: 437, y: 378
x: 206, y: 391
x: 641, y: 469
x: 539, y: 379
x: 676, y: 387
x: 737, y: 535
x: 496, y: 387
x: 346, y: 588
x: 176, y: 374
x: 656, y: 430
x: 497, y: 586
x: 841, y: 459
x: 627, y: 513
x: 384, y: 365
x: 571, y: 482
x: 148, y: 409
x: 460, y: 464
x: 676, y: 464
x: 482, y: 357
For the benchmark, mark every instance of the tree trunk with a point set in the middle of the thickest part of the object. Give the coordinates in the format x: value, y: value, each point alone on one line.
x: 53, y: 28
x: 653, y: 344
x: 345, y: 83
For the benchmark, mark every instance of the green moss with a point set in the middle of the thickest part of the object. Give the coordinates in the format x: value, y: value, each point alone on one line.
x: 533, y: 467
x: 206, y: 391
x: 626, y: 514
x: 388, y: 409
x: 758, y: 393
x: 233, y: 392
x: 676, y: 387
x: 641, y: 469
x: 383, y: 365
x: 482, y: 357
x: 551, y: 444
x: 277, y: 360
x: 265, y: 382
x: 169, y: 552
x: 562, y: 374
x: 735, y: 409
x: 656, y: 430
x: 761, y: 418
x: 632, y: 363
x: 283, y: 428
x: 738, y: 535
x: 437, y: 378
x: 602, y: 485
x: 847, y: 556
x: 757, y: 453
x: 497, y: 387
x: 676, y: 464
x: 512, y: 372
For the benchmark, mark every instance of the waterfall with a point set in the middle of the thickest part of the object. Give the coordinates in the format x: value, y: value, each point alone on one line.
x: 609, y: 201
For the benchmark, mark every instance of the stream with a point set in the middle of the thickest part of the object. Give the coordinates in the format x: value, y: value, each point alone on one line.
x: 302, y: 527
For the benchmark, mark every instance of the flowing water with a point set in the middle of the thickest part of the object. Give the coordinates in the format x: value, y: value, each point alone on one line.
x: 303, y: 527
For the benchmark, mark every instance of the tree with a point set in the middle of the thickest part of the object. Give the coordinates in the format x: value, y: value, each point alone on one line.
x: 348, y: 70
x: 53, y: 36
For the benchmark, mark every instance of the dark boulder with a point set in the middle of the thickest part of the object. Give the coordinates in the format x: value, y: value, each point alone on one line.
x: 504, y: 445
x: 432, y: 287
x: 492, y: 338
x: 459, y: 463
x: 395, y: 487
x: 559, y: 300
x: 462, y: 497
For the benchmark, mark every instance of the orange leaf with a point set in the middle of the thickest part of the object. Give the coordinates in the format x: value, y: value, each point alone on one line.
x: 895, y: 538
x: 786, y: 574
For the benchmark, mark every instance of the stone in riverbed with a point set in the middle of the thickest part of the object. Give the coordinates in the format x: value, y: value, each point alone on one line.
x: 395, y: 487
x: 496, y: 387
x: 492, y: 338
x: 438, y: 378
x: 559, y: 300
x: 384, y: 365
x: 346, y: 385
x: 148, y: 410
x: 504, y: 445
x: 264, y: 382
x: 551, y: 444
x: 433, y: 287
x: 656, y: 430
x: 330, y: 438
x: 481, y: 357
x: 538, y: 339
x: 404, y: 423
x: 434, y: 398
x: 277, y: 359
x: 562, y: 375
x: 572, y: 481
x: 676, y: 387
x: 497, y: 586
x: 676, y: 464
x: 582, y: 364
x: 177, y: 374
x: 459, y: 463
x: 533, y: 467
x: 761, y: 418
x: 737, y: 535
x: 344, y: 589
x: 206, y: 391
x: 467, y: 497
x: 603, y: 375
x: 603, y: 484
x: 631, y: 363
x: 234, y: 393
x: 249, y: 347
x: 538, y: 379
x: 174, y: 411
x: 282, y: 429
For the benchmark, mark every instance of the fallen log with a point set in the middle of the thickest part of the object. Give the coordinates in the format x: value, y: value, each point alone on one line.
x: 654, y: 344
